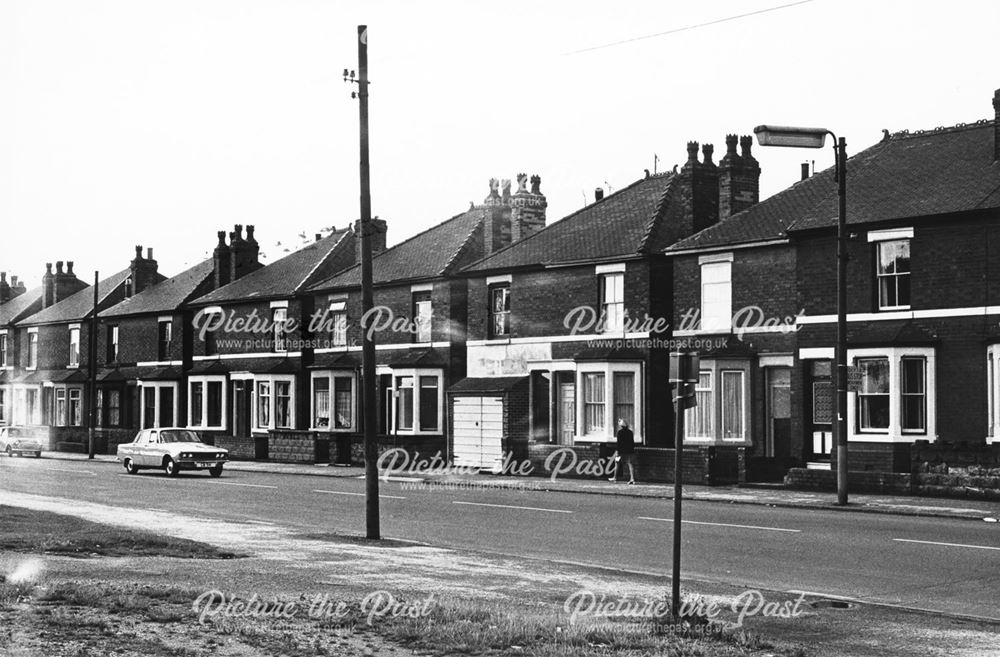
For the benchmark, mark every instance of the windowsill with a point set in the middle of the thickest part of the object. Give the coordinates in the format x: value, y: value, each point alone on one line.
x: 414, y: 432
x: 332, y: 430
x: 500, y: 339
x: 200, y: 428
x: 890, y: 309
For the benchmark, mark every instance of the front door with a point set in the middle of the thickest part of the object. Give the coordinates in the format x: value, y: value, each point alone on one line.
x: 779, y: 412
x: 241, y: 408
x: 819, y: 410
x: 567, y: 412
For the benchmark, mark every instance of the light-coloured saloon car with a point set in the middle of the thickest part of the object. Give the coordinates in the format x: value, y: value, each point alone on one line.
x: 12, y: 443
x: 173, y: 450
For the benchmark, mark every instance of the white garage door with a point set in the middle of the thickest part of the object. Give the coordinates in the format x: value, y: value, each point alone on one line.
x: 478, y: 432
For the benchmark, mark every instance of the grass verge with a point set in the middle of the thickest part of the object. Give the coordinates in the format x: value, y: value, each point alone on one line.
x: 50, y: 533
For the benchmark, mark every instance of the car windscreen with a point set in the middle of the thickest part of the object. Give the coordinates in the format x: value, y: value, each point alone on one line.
x: 179, y: 436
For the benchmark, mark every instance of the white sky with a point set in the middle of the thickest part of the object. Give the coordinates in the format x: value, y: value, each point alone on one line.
x: 127, y: 122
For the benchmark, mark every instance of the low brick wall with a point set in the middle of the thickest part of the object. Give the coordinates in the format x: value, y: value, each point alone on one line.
x: 291, y: 446
x: 959, y: 455
x: 858, y: 482
x: 423, y: 448
x: 108, y: 440
x: 877, y: 457
x: 699, y: 465
x: 240, y: 448
x: 974, y: 481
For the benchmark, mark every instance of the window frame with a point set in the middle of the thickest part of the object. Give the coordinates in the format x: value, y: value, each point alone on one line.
x: 202, y: 422
x: 337, y: 309
x: 492, y: 313
x: 895, y: 433
x: 279, y: 316
x: 4, y: 346
x: 616, y: 281
x: 32, y: 349
x: 272, y: 379
x: 609, y: 369
x: 398, y: 373
x: 744, y: 411
x: 74, y: 346
x: 860, y: 395
x: 331, y: 377
x: 112, y: 346
x: 424, y: 327
x: 896, y: 276
x: 157, y: 387
x: 164, y: 336
x: 716, y: 273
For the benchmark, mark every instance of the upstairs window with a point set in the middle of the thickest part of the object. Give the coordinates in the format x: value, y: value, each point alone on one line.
x: 278, y: 317
x: 74, y: 347
x: 337, y: 318
x: 613, y: 301
x: 3, y: 350
x: 716, y: 296
x: 32, y: 351
x: 893, y: 274
x: 422, y: 312
x: 165, y: 334
x: 499, y: 310
x: 112, y: 344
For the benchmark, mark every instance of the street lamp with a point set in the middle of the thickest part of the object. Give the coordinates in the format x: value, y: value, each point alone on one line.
x: 771, y: 135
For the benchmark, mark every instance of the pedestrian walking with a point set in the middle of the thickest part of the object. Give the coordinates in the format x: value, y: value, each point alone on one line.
x: 626, y: 450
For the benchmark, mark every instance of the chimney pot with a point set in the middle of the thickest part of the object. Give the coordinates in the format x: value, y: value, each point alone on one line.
x: 13, y: 281
x: 59, y: 266
x: 692, y: 151
x: 222, y: 237
x: 707, y: 150
x: 805, y: 170
x: 3, y: 277
x: 746, y: 142
x: 149, y: 253
x: 69, y: 268
x: 598, y: 194
x: 138, y: 251
x: 250, y: 230
x: 536, y: 184
x: 318, y: 237
x: 731, y: 144
x: 238, y: 229
x: 48, y: 267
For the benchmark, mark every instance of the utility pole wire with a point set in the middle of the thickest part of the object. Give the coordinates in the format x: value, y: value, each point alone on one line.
x: 689, y: 27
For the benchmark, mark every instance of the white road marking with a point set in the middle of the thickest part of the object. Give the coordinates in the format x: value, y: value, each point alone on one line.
x: 978, y: 547
x: 504, y: 506
x: 340, y: 492
x: 829, y: 596
x: 725, y: 524
x: 231, y: 483
x: 86, y: 472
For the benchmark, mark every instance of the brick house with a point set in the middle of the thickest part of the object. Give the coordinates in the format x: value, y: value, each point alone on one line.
x: 15, y: 303
x: 419, y: 325
x: 579, y: 314
x: 250, y: 345
x: 48, y: 384
x: 923, y: 312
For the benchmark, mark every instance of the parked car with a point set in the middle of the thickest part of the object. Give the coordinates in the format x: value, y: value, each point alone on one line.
x: 173, y: 450
x: 11, y: 443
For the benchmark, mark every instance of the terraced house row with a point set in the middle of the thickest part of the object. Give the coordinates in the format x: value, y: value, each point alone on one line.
x: 501, y: 334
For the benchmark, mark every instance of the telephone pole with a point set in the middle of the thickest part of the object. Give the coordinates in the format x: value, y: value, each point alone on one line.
x: 369, y: 404
x: 92, y: 374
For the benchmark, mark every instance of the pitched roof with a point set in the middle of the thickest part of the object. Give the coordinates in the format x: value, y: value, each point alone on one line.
x: 15, y: 308
x: 905, y: 175
x: 165, y: 296
x: 282, y: 277
x: 625, y: 223
x: 79, y: 305
x: 425, y: 255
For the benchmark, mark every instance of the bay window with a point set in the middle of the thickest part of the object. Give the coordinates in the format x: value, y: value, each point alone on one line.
x: 895, y: 401
x: 606, y: 392
x: 624, y: 397
x: 698, y: 421
x: 333, y: 400
x: 274, y: 401
x: 593, y: 403
x: 722, y: 409
x: 158, y: 407
x: 207, y: 402
x: 417, y: 400
x: 109, y: 401
x: 733, y: 405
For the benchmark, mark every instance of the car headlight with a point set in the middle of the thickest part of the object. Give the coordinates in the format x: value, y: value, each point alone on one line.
x: 220, y: 455
x: 185, y: 455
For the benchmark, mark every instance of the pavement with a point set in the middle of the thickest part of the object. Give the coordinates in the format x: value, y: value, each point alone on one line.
x: 756, y: 494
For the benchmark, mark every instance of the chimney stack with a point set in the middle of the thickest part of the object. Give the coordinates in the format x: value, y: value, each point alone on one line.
x: 527, y: 211
x: 143, y: 271
x: 47, y: 286
x: 378, y: 228
x: 805, y: 170
x: 220, y: 257
x: 244, y: 254
x: 700, y: 190
x: 5, y: 289
x: 739, y: 177
x: 996, y: 125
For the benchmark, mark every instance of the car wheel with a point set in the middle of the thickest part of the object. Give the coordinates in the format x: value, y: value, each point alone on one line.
x: 215, y: 471
x: 130, y: 466
x: 10, y: 452
x: 38, y: 455
x: 170, y: 467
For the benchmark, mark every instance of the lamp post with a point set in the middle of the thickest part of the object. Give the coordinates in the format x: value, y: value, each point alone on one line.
x: 770, y: 135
